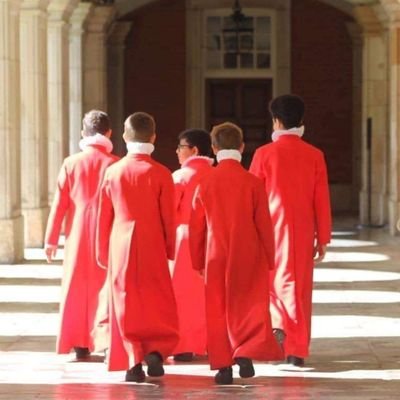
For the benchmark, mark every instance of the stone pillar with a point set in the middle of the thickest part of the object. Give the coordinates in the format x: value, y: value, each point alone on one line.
x: 373, y: 193
x: 77, y: 20
x: 11, y: 221
x: 393, y: 13
x: 59, y: 12
x: 33, y: 53
x: 95, y: 58
x: 116, y: 81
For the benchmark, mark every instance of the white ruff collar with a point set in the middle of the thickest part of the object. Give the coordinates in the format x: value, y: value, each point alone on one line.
x: 139, y: 148
x: 208, y: 159
x: 96, y: 140
x: 230, y: 154
x: 298, y: 131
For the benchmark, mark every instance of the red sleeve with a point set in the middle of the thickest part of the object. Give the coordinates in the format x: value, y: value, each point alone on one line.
x: 198, y: 233
x: 256, y: 166
x: 322, y: 205
x: 167, y: 209
x: 58, y: 208
x: 104, y: 224
x: 262, y: 219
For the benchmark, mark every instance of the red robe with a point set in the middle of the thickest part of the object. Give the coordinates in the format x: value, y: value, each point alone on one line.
x: 136, y: 234
x: 230, y: 235
x: 188, y: 284
x: 77, y: 198
x: 295, y: 179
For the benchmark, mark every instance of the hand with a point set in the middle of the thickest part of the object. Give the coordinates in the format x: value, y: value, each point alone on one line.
x: 50, y: 252
x: 201, y: 273
x: 319, y: 252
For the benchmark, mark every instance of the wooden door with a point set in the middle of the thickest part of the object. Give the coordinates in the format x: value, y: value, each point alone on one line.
x: 245, y: 103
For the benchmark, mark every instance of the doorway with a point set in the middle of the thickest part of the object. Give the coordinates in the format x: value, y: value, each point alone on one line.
x: 245, y: 103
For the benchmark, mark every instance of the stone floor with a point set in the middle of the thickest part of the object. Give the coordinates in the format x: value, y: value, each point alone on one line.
x: 355, y: 346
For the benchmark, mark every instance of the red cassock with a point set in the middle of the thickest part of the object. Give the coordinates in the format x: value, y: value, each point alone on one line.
x: 136, y: 234
x: 188, y: 284
x: 77, y: 198
x: 295, y: 178
x: 230, y: 235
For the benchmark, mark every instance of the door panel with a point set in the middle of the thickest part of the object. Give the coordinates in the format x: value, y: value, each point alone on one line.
x: 245, y: 103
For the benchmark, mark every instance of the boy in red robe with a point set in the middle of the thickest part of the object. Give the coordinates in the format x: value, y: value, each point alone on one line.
x: 135, y: 238
x: 231, y: 240
x: 295, y: 180
x: 193, y: 153
x: 76, y: 198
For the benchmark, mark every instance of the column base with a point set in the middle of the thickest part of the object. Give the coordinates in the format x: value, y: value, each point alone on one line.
x: 11, y: 240
x: 374, y: 208
x: 35, y: 226
x: 394, y: 217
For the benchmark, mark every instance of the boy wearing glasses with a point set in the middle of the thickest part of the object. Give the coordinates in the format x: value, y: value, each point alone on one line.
x: 231, y: 239
x: 135, y: 236
x: 193, y: 153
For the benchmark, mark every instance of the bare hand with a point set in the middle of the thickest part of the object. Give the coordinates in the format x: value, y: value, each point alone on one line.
x: 50, y: 253
x: 319, y: 252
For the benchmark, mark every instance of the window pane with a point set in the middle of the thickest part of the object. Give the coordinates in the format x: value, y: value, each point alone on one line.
x: 264, y: 42
x: 213, y: 24
x: 230, y: 60
x: 263, y: 60
x: 213, y: 59
x: 230, y: 42
x: 228, y: 23
x: 246, y: 42
x: 263, y: 25
x: 246, y: 60
x: 247, y: 23
x: 213, y: 42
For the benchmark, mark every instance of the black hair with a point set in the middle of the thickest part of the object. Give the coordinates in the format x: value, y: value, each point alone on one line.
x: 197, y: 138
x: 289, y: 109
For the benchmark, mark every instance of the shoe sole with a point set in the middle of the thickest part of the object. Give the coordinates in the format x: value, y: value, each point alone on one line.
x: 154, y: 365
x: 136, y: 378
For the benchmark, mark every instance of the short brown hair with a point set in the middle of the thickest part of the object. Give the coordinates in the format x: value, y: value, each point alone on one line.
x: 139, y: 127
x: 95, y: 121
x: 227, y: 136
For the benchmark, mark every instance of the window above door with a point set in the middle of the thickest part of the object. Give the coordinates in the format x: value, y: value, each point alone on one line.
x: 234, y: 49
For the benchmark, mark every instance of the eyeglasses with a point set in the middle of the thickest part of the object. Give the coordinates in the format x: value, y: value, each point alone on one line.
x: 181, y: 146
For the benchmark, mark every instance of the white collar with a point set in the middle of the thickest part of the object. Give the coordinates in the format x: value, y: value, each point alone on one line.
x: 139, y: 148
x: 96, y: 140
x: 229, y: 154
x: 187, y: 161
x: 297, y: 131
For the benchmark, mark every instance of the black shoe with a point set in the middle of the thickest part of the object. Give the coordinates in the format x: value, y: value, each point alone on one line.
x: 280, y: 335
x: 224, y: 376
x: 296, y: 361
x: 246, y: 368
x: 81, y: 353
x: 183, y: 357
x: 154, y: 363
x: 135, y: 374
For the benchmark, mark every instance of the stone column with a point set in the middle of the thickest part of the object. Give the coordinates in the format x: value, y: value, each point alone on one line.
x: 373, y: 193
x: 116, y: 81
x: 11, y: 221
x: 33, y: 53
x: 393, y: 13
x: 59, y: 12
x: 77, y: 20
x: 95, y: 58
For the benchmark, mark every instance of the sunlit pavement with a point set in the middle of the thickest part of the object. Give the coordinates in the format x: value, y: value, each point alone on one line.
x: 355, y: 345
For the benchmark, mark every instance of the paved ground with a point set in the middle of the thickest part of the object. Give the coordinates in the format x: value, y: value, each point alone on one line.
x: 355, y: 346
